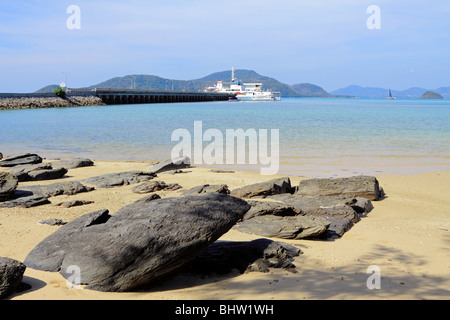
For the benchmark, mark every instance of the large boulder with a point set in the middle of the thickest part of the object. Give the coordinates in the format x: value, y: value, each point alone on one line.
x: 272, y: 187
x: 8, y: 184
x: 139, y: 244
x: 11, y: 275
x: 20, y: 159
x: 171, y: 164
x: 358, y: 186
x: 111, y: 180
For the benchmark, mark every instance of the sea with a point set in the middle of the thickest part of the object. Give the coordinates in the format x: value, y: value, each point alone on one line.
x: 317, y: 137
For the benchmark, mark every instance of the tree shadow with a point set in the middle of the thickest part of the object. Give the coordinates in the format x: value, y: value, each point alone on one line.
x: 398, y: 280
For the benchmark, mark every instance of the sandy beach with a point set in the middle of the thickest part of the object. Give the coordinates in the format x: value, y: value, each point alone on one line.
x: 407, y: 236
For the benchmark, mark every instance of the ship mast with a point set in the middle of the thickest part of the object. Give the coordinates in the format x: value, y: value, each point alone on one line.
x: 232, y: 75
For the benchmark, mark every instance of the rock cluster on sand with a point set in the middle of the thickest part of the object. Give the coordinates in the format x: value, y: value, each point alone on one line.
x: 36, y: 195
x: 318, y: 208
x: 31, y: 168
x: 37, y: 172
x: 140, y: 243
x: 120, y: 179
x: 153, y: 237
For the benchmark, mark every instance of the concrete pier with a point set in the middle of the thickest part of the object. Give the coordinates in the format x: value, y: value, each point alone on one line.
x: 128, y: 96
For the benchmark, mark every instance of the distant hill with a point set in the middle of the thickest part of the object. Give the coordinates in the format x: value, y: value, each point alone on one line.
x: 381, y: 93
x: 314, y: 91
x: 310, y: 90
x: 152, y: 82
x: 49, y: 88
x: 431, y: 95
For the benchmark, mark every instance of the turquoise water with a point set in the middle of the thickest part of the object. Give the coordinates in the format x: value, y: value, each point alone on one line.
x: 336, y: 132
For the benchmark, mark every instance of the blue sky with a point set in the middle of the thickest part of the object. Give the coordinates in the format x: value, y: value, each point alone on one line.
x: 322, y: 42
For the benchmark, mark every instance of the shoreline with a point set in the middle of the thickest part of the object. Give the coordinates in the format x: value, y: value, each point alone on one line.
x: 406, y: 235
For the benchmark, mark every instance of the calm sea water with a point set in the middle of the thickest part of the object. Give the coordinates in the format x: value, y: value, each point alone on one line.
x: 318, y: 137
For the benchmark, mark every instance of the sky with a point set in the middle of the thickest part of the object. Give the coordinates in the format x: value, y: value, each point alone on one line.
x: 332, y: 44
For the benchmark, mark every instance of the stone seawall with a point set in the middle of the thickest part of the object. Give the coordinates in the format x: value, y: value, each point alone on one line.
x: 47, y: 101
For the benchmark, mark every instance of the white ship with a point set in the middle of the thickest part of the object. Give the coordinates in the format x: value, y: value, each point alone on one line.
x: 245, y: 91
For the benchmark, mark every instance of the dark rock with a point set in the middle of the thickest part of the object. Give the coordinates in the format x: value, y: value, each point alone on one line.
x: 272, y: 187
x: 362, y: 205
x: 8, y: 184
x: 74, y: 203
x: 11, y: 275
x: 69, y: 188
x: 20, y: 159
x: 53, y: 222
x: 178, y: 171
x: 358, y: 186
x: 26, y: 202
x: 222, y: 257
x: 220, y: 188
x: 140, y: 243
x: 21, y: 171
x: 262, y: 208
x: 153, y: 186
x: 39, y: 175
x: 37, y: 172
x: 338, y: 210
x: 149, y: 198
x: 168, y: 165
x: 72, y: 163
x: 296, y: 227
x: 120, y: 179
x: 221, y: 171
x: 1, y: 156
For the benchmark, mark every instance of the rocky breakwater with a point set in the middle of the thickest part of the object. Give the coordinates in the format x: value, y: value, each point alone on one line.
x: 36, y: 101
